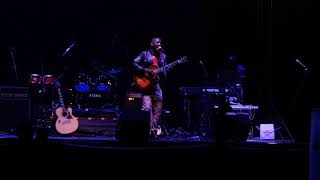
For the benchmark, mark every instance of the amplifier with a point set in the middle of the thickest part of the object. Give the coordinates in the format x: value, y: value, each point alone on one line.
x: 133, y: 108
x: 14, y: 107
x: 134, y: 123
x: 134, y: 102
x: 13, y: 93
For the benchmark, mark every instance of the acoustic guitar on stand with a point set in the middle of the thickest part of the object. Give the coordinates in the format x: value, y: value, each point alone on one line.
x: 145, y: 80
x: 66, y: 123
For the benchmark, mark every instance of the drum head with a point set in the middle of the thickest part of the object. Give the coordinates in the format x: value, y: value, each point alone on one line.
x: 35, y: 78
x: 102, y: 84
x: 82, y: 87
x: 48, y: 79
x: 82, y: 83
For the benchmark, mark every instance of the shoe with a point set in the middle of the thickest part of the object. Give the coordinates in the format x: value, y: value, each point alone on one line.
x: 153, y: 136
x: 156, y: 131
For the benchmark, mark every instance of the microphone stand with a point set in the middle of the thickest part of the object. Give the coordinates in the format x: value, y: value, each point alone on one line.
x: 204, y: 123
x: 13, y: 55
x: 66, y: 52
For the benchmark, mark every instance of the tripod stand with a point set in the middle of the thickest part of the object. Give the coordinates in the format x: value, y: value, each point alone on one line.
x: 204, y: 124
x: 42, y: 108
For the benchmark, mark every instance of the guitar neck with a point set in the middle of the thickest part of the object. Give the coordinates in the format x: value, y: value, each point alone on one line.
x: 61, y: 98
x: 168, y: 66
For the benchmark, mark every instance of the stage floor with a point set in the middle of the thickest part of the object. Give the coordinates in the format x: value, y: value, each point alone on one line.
x: 105, y: 156
x: 164, y: 139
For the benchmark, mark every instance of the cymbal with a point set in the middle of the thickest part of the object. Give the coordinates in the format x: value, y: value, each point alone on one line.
x: 114, y: 70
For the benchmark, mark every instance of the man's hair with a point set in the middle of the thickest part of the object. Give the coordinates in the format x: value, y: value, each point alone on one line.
x: 155, y: 37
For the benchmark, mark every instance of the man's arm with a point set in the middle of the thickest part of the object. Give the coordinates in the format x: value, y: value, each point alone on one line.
x: 138, y: 61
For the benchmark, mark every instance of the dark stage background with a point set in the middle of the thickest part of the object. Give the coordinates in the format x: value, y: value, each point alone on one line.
x: 266, y: 37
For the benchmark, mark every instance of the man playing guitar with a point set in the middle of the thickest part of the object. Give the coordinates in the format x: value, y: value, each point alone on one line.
x: 152, y: 99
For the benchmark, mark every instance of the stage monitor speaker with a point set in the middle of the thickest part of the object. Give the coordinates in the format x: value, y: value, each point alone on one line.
x: 233, y: 127
x: 314, y: 162
x: 14, y: 107
x: 134, y: 124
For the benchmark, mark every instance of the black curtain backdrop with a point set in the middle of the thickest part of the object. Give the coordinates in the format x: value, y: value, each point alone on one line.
x: 266, y: 37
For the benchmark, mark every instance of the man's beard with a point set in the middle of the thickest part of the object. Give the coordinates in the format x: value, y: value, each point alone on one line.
x: 159, y: 49
x: 156, y: 50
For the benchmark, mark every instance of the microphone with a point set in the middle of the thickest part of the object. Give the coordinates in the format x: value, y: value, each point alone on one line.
x: 160, y: 49
x: 68, y: 49
x: 301, y: 64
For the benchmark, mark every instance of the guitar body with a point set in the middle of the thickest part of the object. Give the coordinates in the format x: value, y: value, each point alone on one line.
x: 66, y: 123
x: 145, y: 80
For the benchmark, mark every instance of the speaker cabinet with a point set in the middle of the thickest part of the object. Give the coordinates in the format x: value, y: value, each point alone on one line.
x: 14, y: 107
x: 134, y: 124
x: 314, y: 159
x: 231, y: 126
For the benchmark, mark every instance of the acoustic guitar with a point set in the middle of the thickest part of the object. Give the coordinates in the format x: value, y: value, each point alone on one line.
x: 145, y: 80
x: 66, y: 123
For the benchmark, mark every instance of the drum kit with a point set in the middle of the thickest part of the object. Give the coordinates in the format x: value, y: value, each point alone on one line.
x: 87, y: 90
x: 95, y: 90
x: 85, y: 83
x: 36, y: 80
x: 42, y: 95
x: 92, y: 90
x: 41, y: 88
